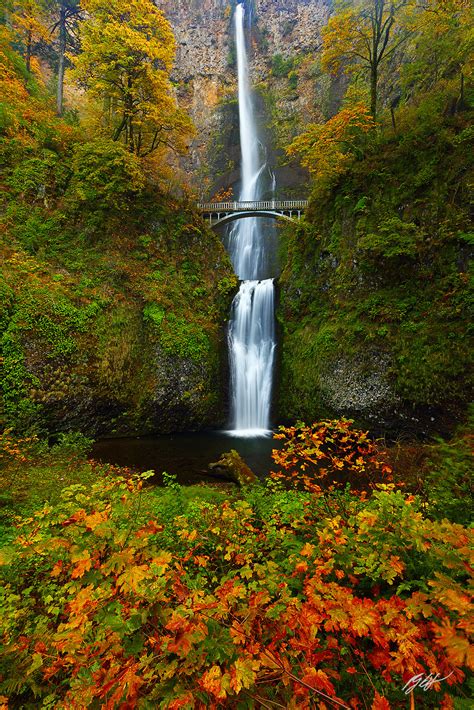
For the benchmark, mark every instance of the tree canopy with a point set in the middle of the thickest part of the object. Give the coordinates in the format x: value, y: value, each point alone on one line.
x: 127, y: 52
x: 327, y: 150
x: 420, y: 41
x: 28, y: 20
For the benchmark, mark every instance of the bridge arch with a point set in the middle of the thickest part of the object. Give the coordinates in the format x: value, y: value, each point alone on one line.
x: 224, y: 212
x: 233, y: 216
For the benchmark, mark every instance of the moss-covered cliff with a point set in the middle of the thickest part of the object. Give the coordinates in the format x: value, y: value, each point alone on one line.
x: 375, y: 302
x: 123, y: 339
x: 113, y: 292
x: 120, y: 336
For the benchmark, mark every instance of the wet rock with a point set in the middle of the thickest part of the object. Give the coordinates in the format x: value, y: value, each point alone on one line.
x: 206, y: 80
x: 360, y: 385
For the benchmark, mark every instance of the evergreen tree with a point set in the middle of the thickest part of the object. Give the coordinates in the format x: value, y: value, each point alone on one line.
x: 67, y: 14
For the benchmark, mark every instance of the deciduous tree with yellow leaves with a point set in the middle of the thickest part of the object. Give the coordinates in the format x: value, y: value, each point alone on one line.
x: 440, y: 47
x: 127, y: 52
x: 28, y: 20
x: 362, y: 36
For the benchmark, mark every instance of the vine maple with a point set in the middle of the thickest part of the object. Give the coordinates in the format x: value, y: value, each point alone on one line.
x: 331, y: 451
x: 266, y: 600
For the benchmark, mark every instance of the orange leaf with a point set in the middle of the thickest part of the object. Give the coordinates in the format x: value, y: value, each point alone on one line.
x: 83, y: 563
x: 181, y: 702
x: 363, y: 619
x: 212, y: 682
x: 301, y: 567
x: 397, y: 564
x: 380, y: 703
x: 95, y: 519
x: 79, y: 515
x: 201, y: 560
x: 318, y: 680
x: 57, y: 569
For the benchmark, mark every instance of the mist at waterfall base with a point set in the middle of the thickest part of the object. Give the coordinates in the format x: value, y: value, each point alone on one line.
x: 251, y: 334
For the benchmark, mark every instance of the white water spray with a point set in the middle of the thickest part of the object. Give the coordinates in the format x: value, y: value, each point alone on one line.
x: 252, y: 327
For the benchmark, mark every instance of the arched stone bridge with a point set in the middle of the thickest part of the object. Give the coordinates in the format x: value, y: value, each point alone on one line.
x: 223, y: 212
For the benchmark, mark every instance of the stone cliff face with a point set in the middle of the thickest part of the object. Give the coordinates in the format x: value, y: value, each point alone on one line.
x: 202, y: 71
x: 285, y: 38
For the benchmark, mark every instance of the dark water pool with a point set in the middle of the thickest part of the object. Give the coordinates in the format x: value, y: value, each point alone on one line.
x: 185, y: 455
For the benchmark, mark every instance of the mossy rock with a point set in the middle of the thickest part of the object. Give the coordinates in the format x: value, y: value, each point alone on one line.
x: 232, y: 467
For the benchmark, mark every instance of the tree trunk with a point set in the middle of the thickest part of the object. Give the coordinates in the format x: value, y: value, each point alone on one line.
x: 394, y: 123
x: 120, y: 128
x: 373, y: 92
x: 129, y: 109
x: 62, y: 59
x: 28, y: 51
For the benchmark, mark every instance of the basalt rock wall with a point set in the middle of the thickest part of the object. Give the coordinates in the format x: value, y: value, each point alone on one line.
x: 284, y: 43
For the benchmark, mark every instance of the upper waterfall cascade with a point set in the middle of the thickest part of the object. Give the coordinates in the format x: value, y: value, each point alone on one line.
x: 252, y: 326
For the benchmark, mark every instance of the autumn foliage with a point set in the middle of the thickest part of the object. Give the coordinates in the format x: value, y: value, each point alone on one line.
x: 15, y: 451
x: 330, y: 453
x: 279, y: 598
x: 127, y: 52
x: 26, y: 119
x: 328, y: 150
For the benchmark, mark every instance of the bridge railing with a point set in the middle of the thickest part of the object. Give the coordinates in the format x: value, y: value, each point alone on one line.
x: 252, y: 206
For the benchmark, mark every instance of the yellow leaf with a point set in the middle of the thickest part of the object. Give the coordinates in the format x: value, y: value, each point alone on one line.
x: 83, y: 562
x: 212, y: 682
x: 130, y: 579
x: 243, y: 675
x: 6, y: 555
x: 162, y: 561
x: 95, y: 519
x: 307, y: 550
x: 363, y: 619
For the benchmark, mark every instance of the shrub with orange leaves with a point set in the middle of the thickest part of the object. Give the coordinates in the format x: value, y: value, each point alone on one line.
x: 329, y: 452
x: 110, y: 599
x: 224, y: 195
x: 14, y: 450
x: 26, y: 118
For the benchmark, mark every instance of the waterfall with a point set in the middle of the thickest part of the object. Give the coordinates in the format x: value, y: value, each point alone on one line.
x: 252, y: 340
x: 252, y: 327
